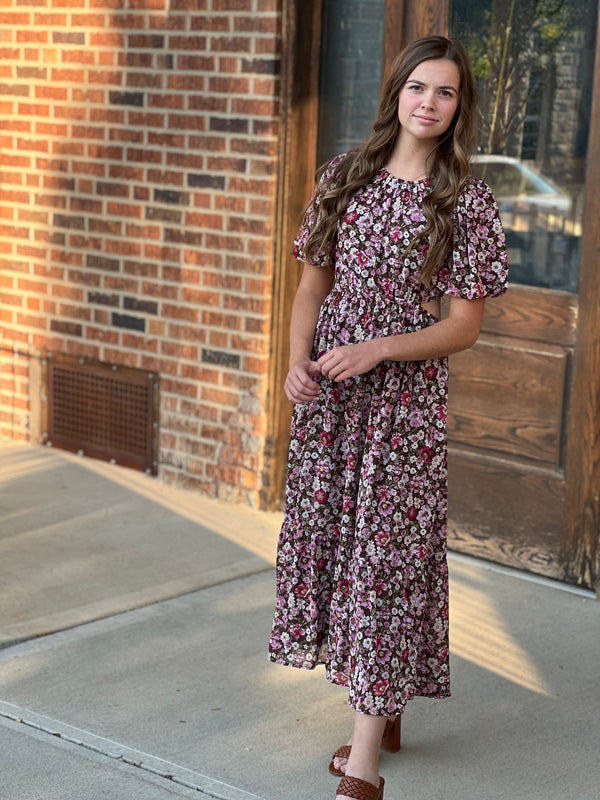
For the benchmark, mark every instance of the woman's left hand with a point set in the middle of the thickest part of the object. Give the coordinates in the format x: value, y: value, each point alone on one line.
x: 349, y: 360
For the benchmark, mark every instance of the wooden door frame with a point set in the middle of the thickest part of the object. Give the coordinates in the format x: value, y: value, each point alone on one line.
x: 580, y: 546
x: 298, y: 122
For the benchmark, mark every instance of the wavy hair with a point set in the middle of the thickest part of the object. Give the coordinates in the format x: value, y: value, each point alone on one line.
x: 448, y: 167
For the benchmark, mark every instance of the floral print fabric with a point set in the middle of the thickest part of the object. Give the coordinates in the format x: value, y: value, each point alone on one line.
x: 362, y: 582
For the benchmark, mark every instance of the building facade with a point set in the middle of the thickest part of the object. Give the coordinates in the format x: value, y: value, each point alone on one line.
x: 156, y: 157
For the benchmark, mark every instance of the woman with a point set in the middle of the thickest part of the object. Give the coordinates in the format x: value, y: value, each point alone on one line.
x: 393, y: 226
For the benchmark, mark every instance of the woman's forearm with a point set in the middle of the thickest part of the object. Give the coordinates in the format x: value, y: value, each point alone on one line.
x: 315, y: 285
x: 305, y: 313
x: 442, y: 339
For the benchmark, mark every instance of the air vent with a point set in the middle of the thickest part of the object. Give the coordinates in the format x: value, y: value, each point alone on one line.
x: 103, y: 411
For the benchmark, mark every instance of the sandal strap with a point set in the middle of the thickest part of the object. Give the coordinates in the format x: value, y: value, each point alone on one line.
x: 342, y: 752
x: 359, y: 789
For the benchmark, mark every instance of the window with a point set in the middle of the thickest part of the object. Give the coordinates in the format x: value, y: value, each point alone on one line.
x: 351, y: 46
x: 533, y: 62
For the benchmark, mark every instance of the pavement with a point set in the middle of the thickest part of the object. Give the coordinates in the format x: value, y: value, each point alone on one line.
x: 134, y: 620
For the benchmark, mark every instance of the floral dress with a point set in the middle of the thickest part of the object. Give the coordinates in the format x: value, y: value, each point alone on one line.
x: 362, y: 581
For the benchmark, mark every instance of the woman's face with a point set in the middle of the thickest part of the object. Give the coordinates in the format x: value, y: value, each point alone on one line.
x: 428, y: 100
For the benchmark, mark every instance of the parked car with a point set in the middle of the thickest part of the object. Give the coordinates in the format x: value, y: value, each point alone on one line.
x: 542, y: 238
x: 516, y: 184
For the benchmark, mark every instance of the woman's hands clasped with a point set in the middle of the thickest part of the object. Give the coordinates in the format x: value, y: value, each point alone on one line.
x: 337, y: 365
x: 349, y: 360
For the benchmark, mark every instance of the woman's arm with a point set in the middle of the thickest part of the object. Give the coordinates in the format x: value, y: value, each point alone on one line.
x: 457, y: 332
x: 315, y: 285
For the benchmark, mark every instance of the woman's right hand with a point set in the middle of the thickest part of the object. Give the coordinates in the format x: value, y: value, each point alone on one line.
x: 300, y: 385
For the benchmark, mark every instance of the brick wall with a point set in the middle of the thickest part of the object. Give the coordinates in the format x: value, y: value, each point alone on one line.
x: 137, y: 163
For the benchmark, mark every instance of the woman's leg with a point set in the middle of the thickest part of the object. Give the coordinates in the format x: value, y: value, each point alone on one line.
x: 364, y: 758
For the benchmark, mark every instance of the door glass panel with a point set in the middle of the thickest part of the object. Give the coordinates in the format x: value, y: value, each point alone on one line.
x: 534, y: 67
x: 351, y: 46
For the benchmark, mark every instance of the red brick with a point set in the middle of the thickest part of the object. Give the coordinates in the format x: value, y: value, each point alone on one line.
x: 231, y: 44
x: 260, y: 108
x: 179, y: 312
x: 211, y: 23
x: 26, y: 36
x: 256, y: 24
x: 124, y: 210
x: 201, y: 298
x: 78, y: 56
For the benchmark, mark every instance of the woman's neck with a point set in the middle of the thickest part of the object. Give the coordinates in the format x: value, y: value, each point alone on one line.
x: 409, y: 159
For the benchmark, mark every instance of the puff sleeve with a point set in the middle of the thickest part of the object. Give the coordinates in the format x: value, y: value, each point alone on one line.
x: 478, y: 265
x: 327, y: 181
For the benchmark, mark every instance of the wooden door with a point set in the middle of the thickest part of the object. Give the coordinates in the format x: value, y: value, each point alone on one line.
x: 524, y: 403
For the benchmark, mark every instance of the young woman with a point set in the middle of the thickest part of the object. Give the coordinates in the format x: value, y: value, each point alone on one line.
x: 394, y: 225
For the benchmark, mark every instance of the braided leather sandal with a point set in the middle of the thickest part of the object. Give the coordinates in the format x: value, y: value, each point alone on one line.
x: 390, y: 742
x: 359, y: 789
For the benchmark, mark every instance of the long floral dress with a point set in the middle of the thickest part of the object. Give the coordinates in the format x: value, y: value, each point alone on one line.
x: 362, y: 582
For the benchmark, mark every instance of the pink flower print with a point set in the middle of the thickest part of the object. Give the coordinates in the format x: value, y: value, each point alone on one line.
x: 321, y: 564
x: 426, y: 454
x: 302, y: 590
x: 344, y: 587
x: 421, y: 552
x: 382, y: 539
x: 380, y: 688
x: 296, y: 632
x: 395, y: 234
x: 405, y: 398
x: 326, y: 439
x: 351, y: 216
x: 321, y: 496
x: 405, y: 655
x: 348, y: 503
x: 352, y: 460
x: 362, y: 259
x: 415, y: 418
x: 396, y: 440
x: 431, y: 372
x: 386, y: 508
x: 411, y: 512
x: 370, y: 431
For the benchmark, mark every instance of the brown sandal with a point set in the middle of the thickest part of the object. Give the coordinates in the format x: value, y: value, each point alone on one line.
x: 359, y: 789
x: 390, y: 742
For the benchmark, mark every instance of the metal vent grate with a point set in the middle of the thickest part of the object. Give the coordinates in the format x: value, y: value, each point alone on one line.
x: 103, y: 411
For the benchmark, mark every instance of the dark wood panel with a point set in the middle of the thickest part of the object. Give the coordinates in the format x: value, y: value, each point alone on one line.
x: 526, y: 312
x: 394, y: 32
x: 506, y: 395
x: 505, y: 511
x: 580, y: 548
x: 424, y: 17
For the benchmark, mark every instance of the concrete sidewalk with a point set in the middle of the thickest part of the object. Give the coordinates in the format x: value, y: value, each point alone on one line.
x: 155, y: 683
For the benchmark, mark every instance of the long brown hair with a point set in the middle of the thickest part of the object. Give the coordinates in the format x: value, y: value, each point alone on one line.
x: 449, y: 162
